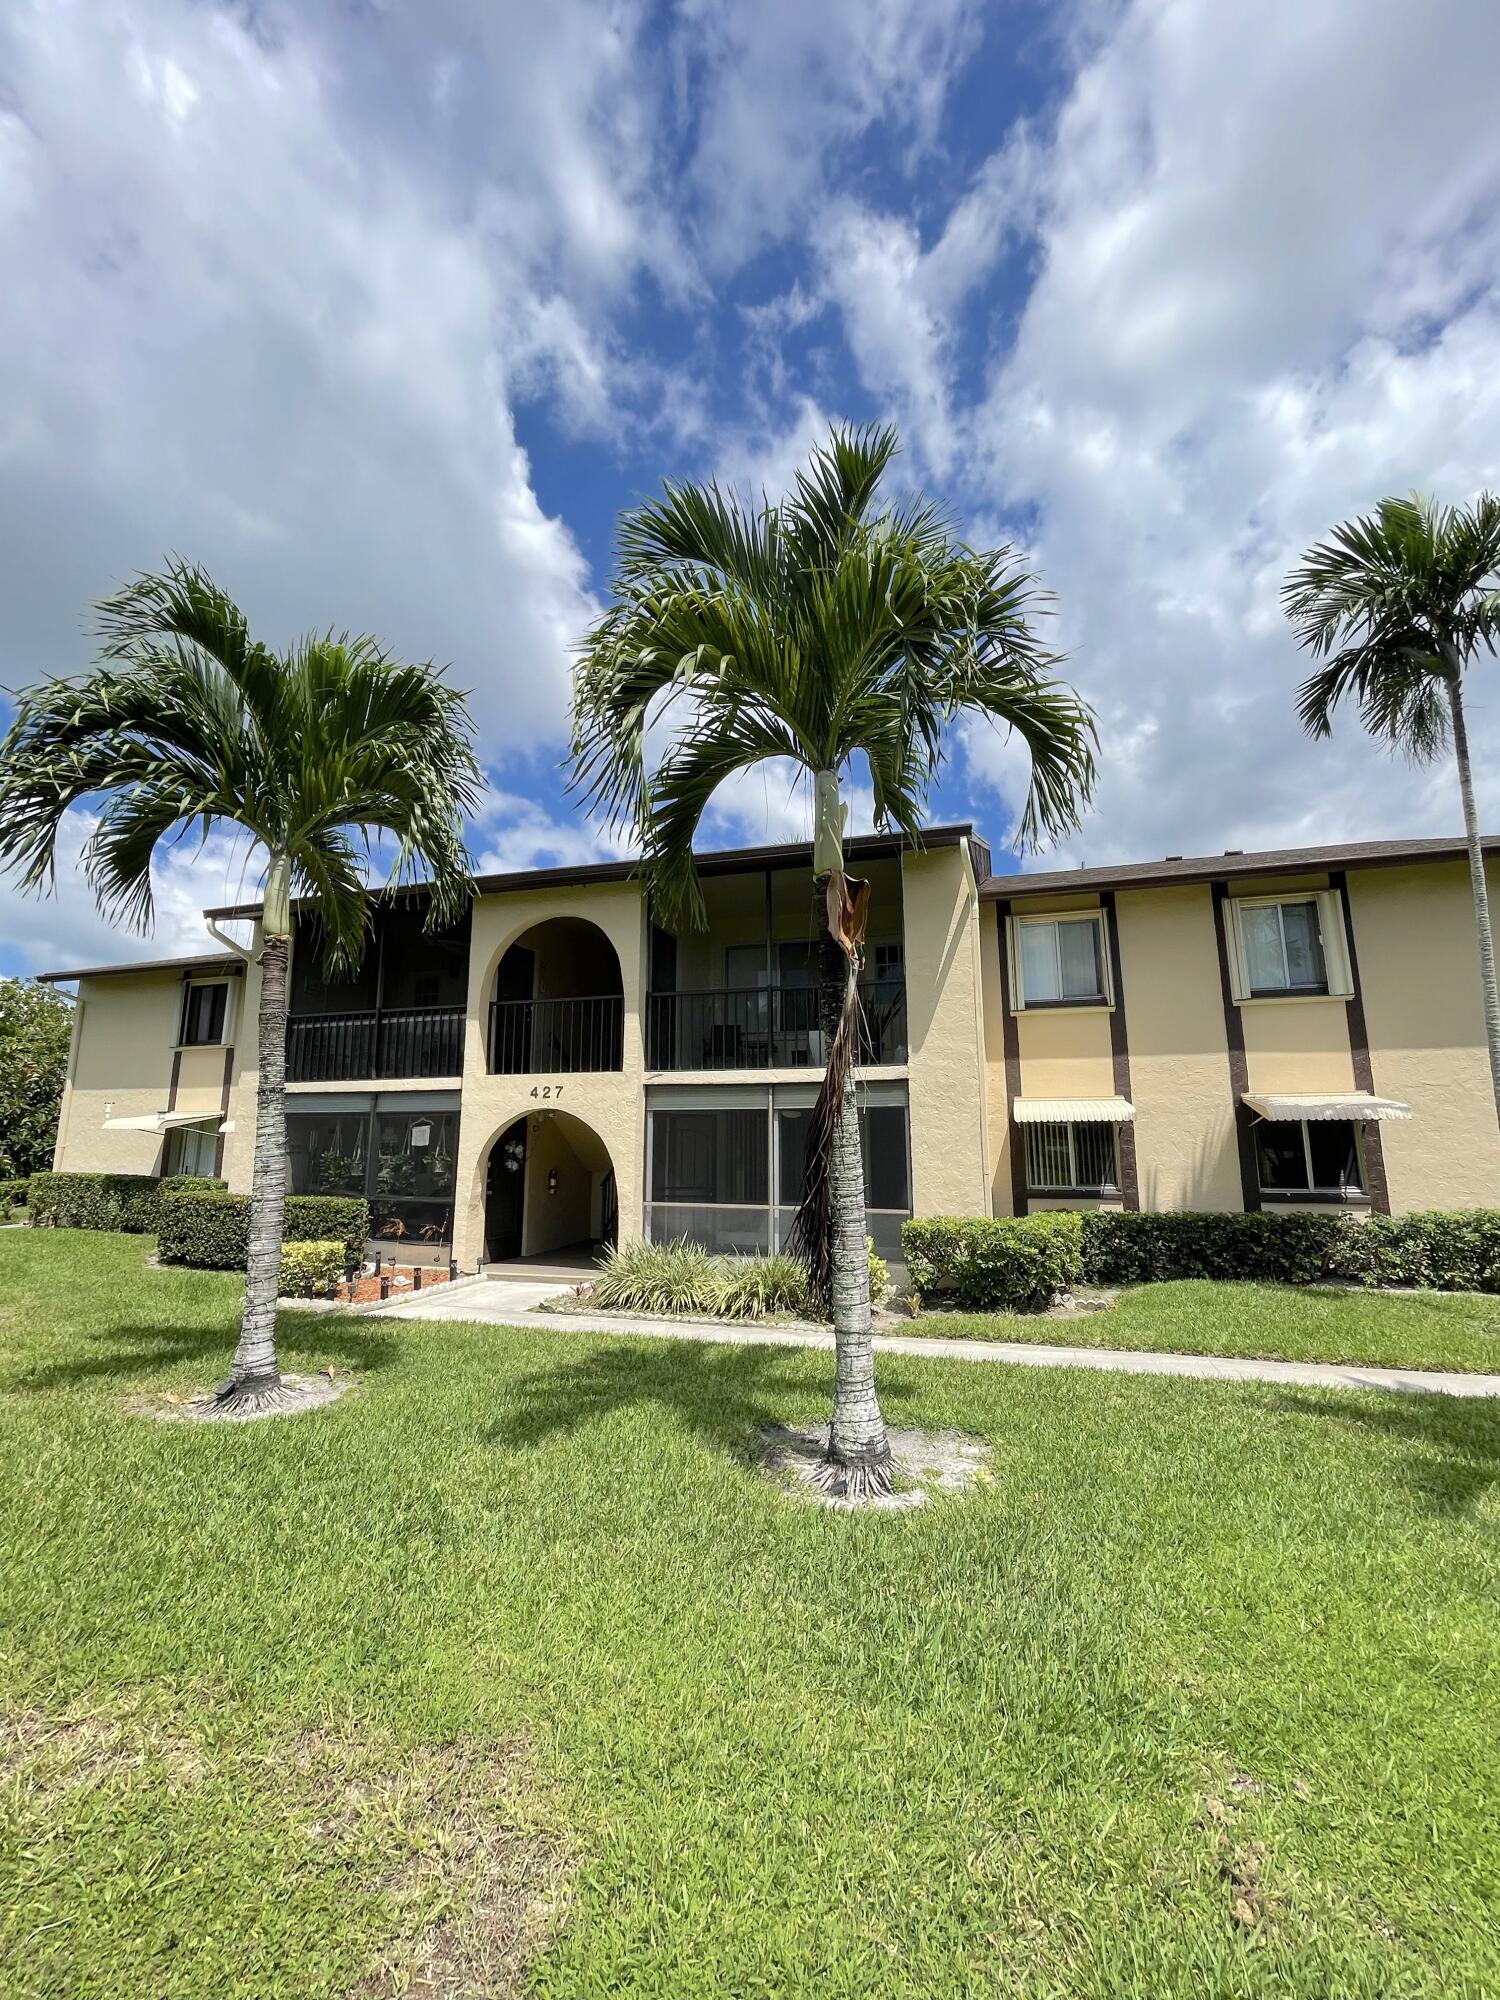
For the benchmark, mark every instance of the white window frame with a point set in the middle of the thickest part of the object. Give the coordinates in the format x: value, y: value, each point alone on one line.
x: 1073, y: 1185
x: 1055, y: 918
x: 226, y: 1032
x: 1331, y: 936
x: 205, y: 1128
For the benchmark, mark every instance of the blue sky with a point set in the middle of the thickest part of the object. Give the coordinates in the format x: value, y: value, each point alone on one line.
x: 383, y: 311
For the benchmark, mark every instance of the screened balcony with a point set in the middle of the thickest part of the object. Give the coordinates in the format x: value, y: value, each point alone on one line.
x: 741, y: 993
x: 400, y: 1015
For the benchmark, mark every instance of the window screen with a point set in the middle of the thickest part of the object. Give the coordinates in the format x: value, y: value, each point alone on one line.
x: 203, y: 1015
x: 1079, y: 1157
x: 1317, y: 1155
x: 1061, y: 961
x: 1284, y: 948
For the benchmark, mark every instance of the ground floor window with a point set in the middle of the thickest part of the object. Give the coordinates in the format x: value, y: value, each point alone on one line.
x: 397, y: 1150
x: 1309, y: 1156
x: 1071, y: 1159
x: 192, y: 1149
x: 728, y: 1174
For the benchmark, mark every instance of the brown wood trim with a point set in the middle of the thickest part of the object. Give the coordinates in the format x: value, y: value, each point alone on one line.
x: 1119, y: 1049
x: 182, y: 994
x: 1011, y: 1031
x: 1376, y: 1185
x: 224, y: 1109
x: 1239, y: 1068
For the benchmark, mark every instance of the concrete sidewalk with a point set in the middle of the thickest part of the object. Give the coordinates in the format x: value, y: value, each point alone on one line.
x: 508, y: 1302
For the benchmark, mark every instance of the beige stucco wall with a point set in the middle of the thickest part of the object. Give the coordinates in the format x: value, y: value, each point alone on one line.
x: 1419, y: 973
x: 1297, y: 1045
x: 945, y: 1011
x: 1186, y: 1151
x: 122, y: 1068
x: 612, y: 1103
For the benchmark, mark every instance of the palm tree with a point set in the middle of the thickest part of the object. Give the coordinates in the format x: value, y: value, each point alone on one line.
x: 816, y: 629
x: 1400, y: 605
x: 187, y: 720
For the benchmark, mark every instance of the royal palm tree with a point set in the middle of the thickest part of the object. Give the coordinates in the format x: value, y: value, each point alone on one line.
x: 186, y: 720
x: 818, y: 629
x: 1400, y: 604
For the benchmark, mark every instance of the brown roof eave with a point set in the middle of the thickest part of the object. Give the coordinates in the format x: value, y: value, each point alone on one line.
x: 1229, y: 867
x: 726, y: 861
x: 226, y: 963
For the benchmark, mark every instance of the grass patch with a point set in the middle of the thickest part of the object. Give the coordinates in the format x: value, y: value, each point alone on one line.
x: 1195, y: 1695
x: 1457, y: 1330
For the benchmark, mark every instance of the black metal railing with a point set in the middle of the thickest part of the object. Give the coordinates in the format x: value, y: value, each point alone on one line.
x: 766, y: 1027
x: 397, y: 1042
x: 563, y: 1037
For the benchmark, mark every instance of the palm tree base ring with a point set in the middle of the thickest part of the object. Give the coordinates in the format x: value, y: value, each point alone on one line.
x: 243, y: 1402
x: 867, y: 1477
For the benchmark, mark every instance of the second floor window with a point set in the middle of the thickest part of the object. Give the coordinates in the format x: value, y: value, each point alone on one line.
x: 1060, y: 961
x: 1284, y: 948
x: 203, y: 1015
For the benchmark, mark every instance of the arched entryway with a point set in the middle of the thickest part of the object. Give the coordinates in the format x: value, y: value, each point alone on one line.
x: 559, y: 1006
x: 549, y: 1192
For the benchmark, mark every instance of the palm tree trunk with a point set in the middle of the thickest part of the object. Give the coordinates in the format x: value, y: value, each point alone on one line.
x: 1477, y: 880
x: 859, y: 1452
x: 255, y: 1377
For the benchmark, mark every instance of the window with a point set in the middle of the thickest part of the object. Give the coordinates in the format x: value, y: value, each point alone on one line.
x: 1075, y: 1159
x: 203, y: 1015
x: 1059, y: 962
x: 401, y: 1157
x: 730, y: 1177
x: 192, y: 1149
x: 1310, y: 1156
x: 1285, y: 947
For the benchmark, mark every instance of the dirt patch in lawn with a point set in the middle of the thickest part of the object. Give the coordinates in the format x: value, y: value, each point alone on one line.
x: 297, y: 1393
x: 921, y: 1462
x: 451, y: 1849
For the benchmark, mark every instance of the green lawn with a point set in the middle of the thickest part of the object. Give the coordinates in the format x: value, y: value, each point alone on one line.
x: 1459, y: 1330
x: 1197, y: 1697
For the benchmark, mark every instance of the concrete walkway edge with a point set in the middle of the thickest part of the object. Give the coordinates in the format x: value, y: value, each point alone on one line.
x: 505, y: 1302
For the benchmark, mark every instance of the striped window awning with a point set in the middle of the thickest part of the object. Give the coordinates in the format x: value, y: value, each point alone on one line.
x: 1292, y: 1106
x: 1072, y: 1110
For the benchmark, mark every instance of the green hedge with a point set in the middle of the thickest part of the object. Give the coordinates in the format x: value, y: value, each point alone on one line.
x: 213, y: 1230
x: 103, y: 1201
x: 992, y: 1263
x: 311, y: 1270
x: 1441, y: 1250
x: 1122, y: 1247
x: 13, y: 1194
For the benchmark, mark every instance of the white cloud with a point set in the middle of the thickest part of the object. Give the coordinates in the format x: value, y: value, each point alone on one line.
x: 778, y: 90
x: 244, y: 318
x: 1265, y: 295
x: 52, y: 931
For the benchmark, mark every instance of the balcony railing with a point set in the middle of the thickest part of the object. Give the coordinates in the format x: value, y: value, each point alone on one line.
x: 562, y: 1037
x: 397, y: 1042
x: 767, y: 1027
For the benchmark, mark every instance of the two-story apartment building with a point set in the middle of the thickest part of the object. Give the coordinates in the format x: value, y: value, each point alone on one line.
x: 1238, y: 1031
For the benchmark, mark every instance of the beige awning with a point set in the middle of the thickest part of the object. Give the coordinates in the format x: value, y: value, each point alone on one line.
x: 1292, y: 1106
x: 159, y: 1121
x: 1072, y: 1110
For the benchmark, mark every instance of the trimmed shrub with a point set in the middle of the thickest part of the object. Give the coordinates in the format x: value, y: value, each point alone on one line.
x: 311, y: 1270
x: 1443, y: 1250
x: 131, y: 1202
x: 191, y: 1184
x: 93, y: 1201
x: 13, y: 1194
x: 1124, y: 1247
x: 992, y: 1263
x: 212, y: 1231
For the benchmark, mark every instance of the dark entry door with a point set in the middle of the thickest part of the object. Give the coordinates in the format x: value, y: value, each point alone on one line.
x: 505, y: 1194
